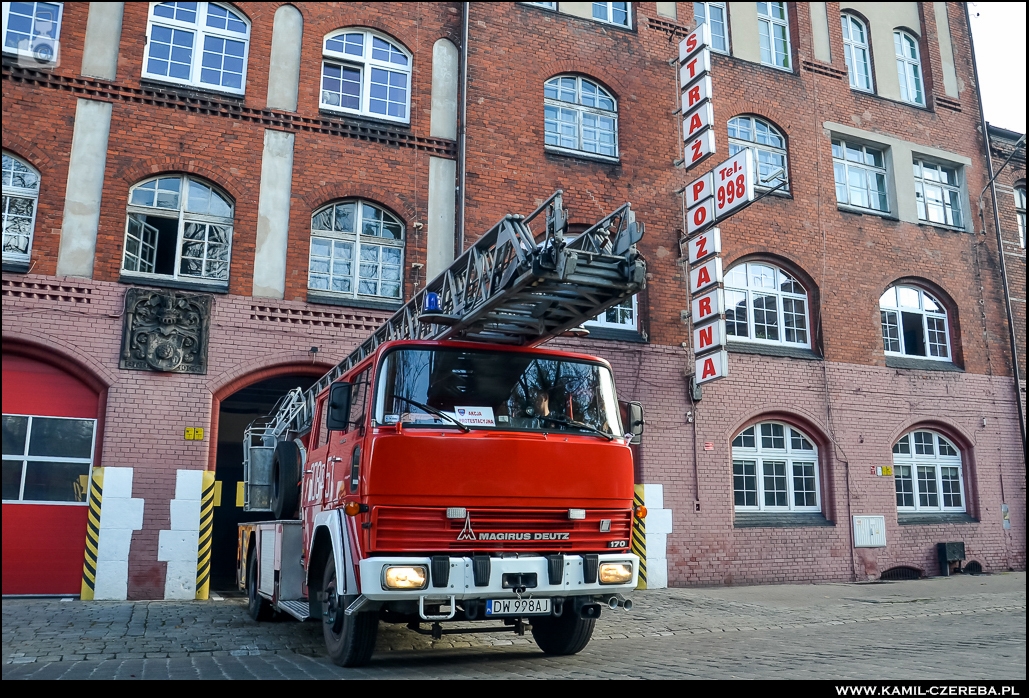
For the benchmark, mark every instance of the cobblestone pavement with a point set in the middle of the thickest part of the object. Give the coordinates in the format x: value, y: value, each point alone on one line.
x: 958, y: 627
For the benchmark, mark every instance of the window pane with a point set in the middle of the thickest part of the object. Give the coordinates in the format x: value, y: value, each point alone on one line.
x: 63, y: 438
x: 951, y: 481
x: 804, y: 494
x: 744, y: 481
x: 905, y: 486
x: 736, y: 313
x: 914, y: 334
x: 775, y: 483
x: 11, y: 479
x: 891, y: 331
x: 745, y: 439
x: 56, y: 482
x: 773, y: 436
x: 927, y: 493
x: 766, y: 317
x: 14, y: 429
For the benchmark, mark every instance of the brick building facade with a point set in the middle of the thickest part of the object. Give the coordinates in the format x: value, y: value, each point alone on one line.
x: 303, y: 138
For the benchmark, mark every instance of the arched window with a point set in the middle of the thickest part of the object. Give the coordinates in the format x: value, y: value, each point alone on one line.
x: 203, y: 44
x: 1020, y: 212
x: 579, y: 114
x: 774, y: 468
x: 914, y: 324
x: 178, y: 227
x: 855, y: 49
x: 909, y: 67
x: 21, y: 194
x: 766, y: 304
x: 357, y: 249
x: 927, y: 473
x: 365, y: 73
x: 766, y: 141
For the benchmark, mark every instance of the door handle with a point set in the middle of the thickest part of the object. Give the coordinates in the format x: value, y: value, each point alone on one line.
x: 334, y: 459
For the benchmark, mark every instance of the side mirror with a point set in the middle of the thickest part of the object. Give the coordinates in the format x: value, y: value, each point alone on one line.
x: 338, y: 406
x: 636, y: 421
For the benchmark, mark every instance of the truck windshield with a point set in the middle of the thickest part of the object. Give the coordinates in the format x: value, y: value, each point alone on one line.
x: 495, y: 390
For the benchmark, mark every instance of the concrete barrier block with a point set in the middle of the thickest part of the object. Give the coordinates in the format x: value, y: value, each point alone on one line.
x: 657, y: 573
x: 656, y: 544
x: 117, y: 482
x: 121, y: 512
x: 185, y: 514
x: 181, y: 580
x: 654, y: 496
x: 178, y: 545
x: 659, y: 520
x: 112, y: 577
x: 114, y: 544
x: 189, y: 484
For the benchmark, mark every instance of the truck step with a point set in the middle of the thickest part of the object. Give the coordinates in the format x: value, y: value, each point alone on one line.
x: 299, y: 608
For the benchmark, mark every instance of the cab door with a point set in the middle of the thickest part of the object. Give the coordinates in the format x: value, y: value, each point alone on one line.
x: 312, y: 494
x: 347, y: 450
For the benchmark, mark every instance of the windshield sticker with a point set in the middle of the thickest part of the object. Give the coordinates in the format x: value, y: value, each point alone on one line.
x: 390, y: 418
x: 476, y: 416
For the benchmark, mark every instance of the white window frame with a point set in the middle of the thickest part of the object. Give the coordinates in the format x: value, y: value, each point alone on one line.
x: 737, y: 143
x: 631, y: 323
x: 702, y: 15
x: 1019, y: 193
x: 951, y: 192
x: 766, y: 24
x: 364, y: 65
x: 358, y: 239
x: 759, y: 454
x: 580, y: 109
x: 544, y: 5
x: 39, y: 44
x: 183, y: 217
x: 25, y: 457
x: 909, y: 70
x: 609, y: 13
x: 10, y: 191
x: 869, y: 169
x: 780, y: 277
x: 937, y: 461
x: 200, y: 30
x: 857, y: 52
x: 928, y: 316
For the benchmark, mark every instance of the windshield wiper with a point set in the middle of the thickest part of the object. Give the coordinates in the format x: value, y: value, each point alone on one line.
x: 433, y: 411
x: 577, y: 425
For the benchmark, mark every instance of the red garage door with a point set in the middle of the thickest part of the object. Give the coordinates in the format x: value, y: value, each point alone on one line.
x: 49, y: 444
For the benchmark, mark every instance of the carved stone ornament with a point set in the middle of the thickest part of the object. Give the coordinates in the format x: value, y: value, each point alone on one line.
x: 165, y: 330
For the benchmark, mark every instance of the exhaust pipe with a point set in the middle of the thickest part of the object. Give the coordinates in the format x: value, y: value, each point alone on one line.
x: 627, y: 604
x: 613, y: 603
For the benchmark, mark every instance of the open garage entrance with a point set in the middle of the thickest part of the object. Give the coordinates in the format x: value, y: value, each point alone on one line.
x: 235, y: 413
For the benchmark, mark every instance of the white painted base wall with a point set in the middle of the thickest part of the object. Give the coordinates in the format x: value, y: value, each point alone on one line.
x: 120, y: 515
x: 659, y: 525
x: 178, y: 545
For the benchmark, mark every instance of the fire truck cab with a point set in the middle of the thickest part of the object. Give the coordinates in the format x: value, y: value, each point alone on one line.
x: 453, y: 481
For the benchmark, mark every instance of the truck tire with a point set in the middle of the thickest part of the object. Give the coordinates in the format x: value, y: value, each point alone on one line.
x: 257, y: 606
x: 564, y: 634
x: 350, y: 640
x: 286, y: 480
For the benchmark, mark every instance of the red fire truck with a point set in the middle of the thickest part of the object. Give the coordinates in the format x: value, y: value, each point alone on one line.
x: 450, y: 470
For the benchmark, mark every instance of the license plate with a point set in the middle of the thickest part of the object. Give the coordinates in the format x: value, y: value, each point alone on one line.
x: 518, y: 607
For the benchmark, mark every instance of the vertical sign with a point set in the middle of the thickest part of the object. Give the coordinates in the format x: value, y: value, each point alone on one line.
x: 697, y: 114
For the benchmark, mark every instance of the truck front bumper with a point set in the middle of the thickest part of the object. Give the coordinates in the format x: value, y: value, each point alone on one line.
x: 460, y: 581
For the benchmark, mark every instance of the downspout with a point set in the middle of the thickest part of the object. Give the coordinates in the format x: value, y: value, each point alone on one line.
x: 463, y: 133
x: 1000, y: 240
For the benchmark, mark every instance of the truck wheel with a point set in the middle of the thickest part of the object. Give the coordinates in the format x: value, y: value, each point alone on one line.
x: 350, y: 640
x: 286, y: 480
x: 564, y: 634
x: 257, y: 606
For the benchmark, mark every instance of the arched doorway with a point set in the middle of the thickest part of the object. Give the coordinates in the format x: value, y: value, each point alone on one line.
x: 52, y: 432
x: 235, y: 413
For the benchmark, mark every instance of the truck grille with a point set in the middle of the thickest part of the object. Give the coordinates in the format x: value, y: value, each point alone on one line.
x: 425, y: 529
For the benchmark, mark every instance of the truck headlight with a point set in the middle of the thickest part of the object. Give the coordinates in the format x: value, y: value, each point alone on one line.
x: 615, y: 572
x: 405, y: 577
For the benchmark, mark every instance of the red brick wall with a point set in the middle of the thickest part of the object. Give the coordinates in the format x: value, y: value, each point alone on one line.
x: 848, y: 258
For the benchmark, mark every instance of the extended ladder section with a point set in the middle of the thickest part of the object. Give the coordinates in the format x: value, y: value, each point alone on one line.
x: 508, y: 288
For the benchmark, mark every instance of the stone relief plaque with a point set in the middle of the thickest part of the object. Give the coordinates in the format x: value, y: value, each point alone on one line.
x: 165, y: 330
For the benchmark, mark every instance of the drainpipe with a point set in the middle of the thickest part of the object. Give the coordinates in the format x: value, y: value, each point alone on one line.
x: 1000, y: 240
x: 463, y: 133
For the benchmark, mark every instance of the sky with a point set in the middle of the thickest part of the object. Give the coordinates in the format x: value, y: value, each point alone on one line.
x: 998, y: 32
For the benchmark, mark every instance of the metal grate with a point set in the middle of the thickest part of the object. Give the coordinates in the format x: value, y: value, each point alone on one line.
x: 973, y: 567
x: 901, y: 573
